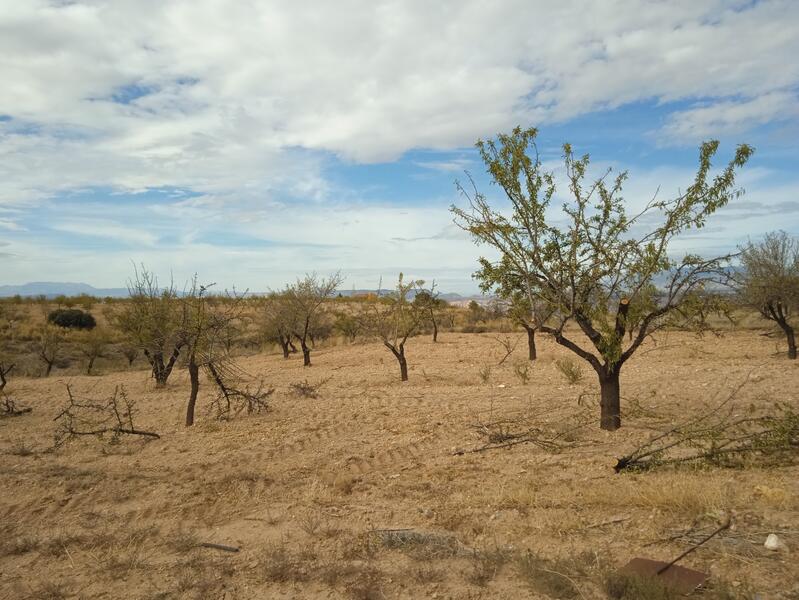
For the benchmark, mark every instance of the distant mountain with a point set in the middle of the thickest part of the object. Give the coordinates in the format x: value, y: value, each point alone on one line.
x: 52, y: 289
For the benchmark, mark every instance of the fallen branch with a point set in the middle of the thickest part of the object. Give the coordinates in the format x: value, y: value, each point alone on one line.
x: 506, y: 433
x: 87, y: 417
x: 219, y: 547
x: 230, y: 399
x: 720, y: 437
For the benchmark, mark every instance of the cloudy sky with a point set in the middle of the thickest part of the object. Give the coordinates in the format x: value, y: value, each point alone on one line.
x: 253, y: 141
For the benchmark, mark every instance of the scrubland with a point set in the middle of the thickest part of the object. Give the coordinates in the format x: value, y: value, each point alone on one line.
x: 370, y: 489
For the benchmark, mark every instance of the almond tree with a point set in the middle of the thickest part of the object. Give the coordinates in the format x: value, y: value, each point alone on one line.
x: 770, y: 281
x: 49, y: 345
x: 394, y: 318
x: 277, y: 324
x: 153, y: 319
x: 93, y: 344
x: 207, y: 333
x: 305, y: 299
x: 596, y: 265
x: 430, y: 303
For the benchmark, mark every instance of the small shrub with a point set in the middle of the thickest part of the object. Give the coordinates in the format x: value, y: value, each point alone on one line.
x: 570, y: 370
x: 620, y: 586
x: 522, y: 370
x: 484, y: 373
x: 71, y: 318
x: 552, y: 577
x: 306, y: 389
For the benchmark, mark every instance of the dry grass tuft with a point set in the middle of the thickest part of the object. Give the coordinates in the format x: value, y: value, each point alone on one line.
x: 419, y: 544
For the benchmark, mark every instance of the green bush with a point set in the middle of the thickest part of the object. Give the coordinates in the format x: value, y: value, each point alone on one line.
x: 71, y: 318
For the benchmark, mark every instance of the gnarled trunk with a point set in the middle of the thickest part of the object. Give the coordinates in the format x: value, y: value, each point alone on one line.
x: 161, y: 371
x: 194, y: 377
x: 610, y: 399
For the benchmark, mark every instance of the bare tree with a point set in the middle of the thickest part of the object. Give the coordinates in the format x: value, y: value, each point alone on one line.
x: 347, y: 325
x: 207, y: 341
x: 154, y: 321
x: 430, y: 303
x: 49, y: 345
x: 600, y: 269
x: 305, y: 299
x: 394, y: 318
x: 93, y: 344
x: 278, y: 322
x: 770, y: 281
x: 130, y: 352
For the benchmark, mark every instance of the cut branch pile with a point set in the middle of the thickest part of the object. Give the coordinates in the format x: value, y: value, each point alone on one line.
x: 88, y: 417
x: 727, y: 435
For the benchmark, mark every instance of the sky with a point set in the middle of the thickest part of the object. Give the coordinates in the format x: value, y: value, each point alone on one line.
x: 251, y: 142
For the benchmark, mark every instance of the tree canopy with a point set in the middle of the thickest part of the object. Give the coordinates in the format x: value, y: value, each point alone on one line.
x: 608, y: 271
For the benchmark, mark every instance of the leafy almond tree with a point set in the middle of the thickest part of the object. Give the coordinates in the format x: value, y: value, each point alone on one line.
x: 595, y: 265
x: 770, y: 281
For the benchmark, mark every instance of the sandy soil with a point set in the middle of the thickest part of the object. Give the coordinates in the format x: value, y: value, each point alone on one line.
x: 302, y: 488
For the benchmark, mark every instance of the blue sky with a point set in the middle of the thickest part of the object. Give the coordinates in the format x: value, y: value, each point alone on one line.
x: 255, y: 142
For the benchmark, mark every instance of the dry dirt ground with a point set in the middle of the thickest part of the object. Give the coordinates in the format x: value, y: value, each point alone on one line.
x: 307, y: 490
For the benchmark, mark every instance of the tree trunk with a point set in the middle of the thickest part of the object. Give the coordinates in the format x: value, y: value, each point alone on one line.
x: 435, y: 329
x: 399, y: 354
x: 306, y: 353
x: 531, y: 351
x: 89, y: 366
x: 610, y: 402
x: 791, y: 338
x: 284, y: 345
x: 194, y: 377
x: 48, y: 369
x: 403, y: 366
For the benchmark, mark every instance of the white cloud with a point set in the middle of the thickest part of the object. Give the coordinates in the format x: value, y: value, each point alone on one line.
x: 727, y: 117
x: 232, y: 87
x: 242, y: 103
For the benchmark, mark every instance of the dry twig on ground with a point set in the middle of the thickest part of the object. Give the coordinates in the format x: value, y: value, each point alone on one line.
x: 533, y: 429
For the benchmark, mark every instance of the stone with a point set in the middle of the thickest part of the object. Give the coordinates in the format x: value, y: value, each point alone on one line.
x: 773, y: 542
